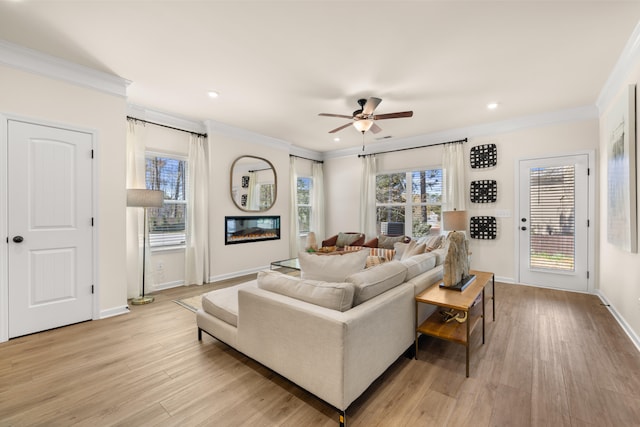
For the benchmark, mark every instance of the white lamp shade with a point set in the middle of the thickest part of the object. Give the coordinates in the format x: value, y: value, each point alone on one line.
x: 363, y: 125
x: 141, y: 198
x: 455, y: 220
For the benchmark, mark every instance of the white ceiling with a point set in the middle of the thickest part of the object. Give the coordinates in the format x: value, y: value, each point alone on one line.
x: 277, y: 65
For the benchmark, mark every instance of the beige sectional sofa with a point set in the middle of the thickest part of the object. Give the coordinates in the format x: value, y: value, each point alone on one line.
x: 331, y: 338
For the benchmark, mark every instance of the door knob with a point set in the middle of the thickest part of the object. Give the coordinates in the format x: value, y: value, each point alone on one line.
x: 18, y: 239
x: 523, y: 228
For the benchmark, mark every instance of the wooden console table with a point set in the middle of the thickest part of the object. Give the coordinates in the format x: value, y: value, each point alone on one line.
x: 461, y: 301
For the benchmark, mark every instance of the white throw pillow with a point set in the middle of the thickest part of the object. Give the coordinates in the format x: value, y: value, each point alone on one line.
x: 331, y: 268
x: 418, y: 264
x: 336, y: 296
x: 377, y: 280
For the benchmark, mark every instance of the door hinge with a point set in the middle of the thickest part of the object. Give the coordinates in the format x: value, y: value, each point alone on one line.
x: 92, y: 221
x: 588, y: 224
x: 92, y: 289
x: 7, y: 239
x: 588, y: 171
x: 587, y: 274
x: 92, y: 154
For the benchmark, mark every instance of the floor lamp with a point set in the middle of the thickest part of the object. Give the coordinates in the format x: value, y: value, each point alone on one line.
x: 141, y: 198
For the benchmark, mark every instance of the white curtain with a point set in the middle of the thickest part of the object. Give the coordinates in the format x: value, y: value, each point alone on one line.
x: 453, y: 177
x: 317, y: 201
x: 294, y: 245
x: 253, y: 198
x: 197, y: 241
x: 135, y: 178
x: 368, y: 197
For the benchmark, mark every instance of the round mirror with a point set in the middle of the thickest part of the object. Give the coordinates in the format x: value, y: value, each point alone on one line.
x: 253, y: 184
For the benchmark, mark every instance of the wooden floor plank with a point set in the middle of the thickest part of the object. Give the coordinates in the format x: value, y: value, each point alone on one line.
x: 550, y: 358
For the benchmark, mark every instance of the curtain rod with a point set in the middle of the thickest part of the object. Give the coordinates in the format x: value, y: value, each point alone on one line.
x: 260, y: 170
x: 306, y: 158
x: 413, y: 148
x: 165, y: 126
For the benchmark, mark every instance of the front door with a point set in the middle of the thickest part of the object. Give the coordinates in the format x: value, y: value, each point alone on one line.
x: 553, y: 222
x: 50, y: 256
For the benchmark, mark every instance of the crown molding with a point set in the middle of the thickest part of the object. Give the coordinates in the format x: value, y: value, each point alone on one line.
x: 625, y: 64
x: 35, y: 62
x: 487, y: 129
x: 214, y: 127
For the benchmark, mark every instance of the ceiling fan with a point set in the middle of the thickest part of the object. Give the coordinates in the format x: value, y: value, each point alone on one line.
x: 364, y: 119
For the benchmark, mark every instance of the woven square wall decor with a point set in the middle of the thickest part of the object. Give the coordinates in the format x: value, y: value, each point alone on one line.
x: 483, y: 191
x: 483, y: 156
x: 483, y: 227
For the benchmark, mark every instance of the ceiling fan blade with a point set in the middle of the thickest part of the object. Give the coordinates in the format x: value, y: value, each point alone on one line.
x: 335, y: 115
x: 375, y: 128
x: 393, y: 115
x: 340, y: 128
x: 371, y: 105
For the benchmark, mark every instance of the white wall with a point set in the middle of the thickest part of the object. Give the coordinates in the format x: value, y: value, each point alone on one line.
x: 619, y: 276
x: 226, y: 146
x: 490, y: 255
x: 52, y: 101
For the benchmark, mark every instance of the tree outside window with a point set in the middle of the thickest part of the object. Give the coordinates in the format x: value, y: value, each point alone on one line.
x: 409, y: 201
x: 167, y: 224
x: 304, y: 188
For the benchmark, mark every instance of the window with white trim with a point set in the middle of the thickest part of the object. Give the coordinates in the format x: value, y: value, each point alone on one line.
x: 167, y: 225
x: 409, y: 203
x: 304, y: 188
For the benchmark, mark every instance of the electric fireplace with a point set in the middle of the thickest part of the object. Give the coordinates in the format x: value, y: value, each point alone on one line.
x: 246, y: 229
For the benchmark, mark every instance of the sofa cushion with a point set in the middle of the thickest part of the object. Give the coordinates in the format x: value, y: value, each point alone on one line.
x: 386, y: 253
x: 336, y: 296
x: 416, y: 249
x: 223, y: 303
x: 440, y: 255
x: 373, y: 243
x: 418, y: 264
x: 432, y: 242
x: 331, y: 268
x: 387, y: 242
x: 376, y: 280
x: 344, y: 239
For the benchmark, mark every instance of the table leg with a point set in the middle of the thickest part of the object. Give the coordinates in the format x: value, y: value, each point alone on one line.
x: 493, y: 296
x: 416, y: 329
x: 468, y: 322
x: 483, y: 315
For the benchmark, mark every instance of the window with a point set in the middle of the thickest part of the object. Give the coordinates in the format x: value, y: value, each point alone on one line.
x: 409, y: 202
x: 305, y: 185
x: 167, y: 225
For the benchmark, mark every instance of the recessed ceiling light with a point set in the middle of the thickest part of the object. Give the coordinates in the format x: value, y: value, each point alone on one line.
x: 336, y: 139
x: 213, y: 94
x: 492, y: 105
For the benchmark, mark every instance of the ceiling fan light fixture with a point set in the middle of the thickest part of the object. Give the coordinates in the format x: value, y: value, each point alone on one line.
x: 363, y: 125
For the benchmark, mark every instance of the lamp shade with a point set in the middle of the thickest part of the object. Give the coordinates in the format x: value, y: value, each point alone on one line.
x: 141, y: 198
x: 363, y: 125
x: 455, y: 220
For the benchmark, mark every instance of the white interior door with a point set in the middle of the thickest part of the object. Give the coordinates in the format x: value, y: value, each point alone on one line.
x: 50, y: 258
x: 553, y: 223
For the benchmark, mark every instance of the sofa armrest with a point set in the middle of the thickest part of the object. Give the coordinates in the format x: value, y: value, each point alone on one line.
x: 334, y: 355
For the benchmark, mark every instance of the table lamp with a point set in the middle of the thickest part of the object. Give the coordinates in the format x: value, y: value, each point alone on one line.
x: 456, y: 262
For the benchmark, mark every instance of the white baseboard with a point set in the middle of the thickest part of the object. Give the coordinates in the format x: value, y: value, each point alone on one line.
x: 623, y: 323
x: 114, y: 311
x: 168, y: 285
x: 236, y: 274
x: 505, y: 280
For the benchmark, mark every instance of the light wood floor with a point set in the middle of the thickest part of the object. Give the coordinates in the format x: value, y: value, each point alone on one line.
x: 551, y: 359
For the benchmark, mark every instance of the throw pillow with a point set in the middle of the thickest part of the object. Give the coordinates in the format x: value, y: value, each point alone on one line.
x: 418, y: 264
x: 345, y: 239
x: 388, y: 242
x: 374, y: 281
x: 336, y: 296
x: 413, y: 250
x: 373, y: 243
x: 331, y: 268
